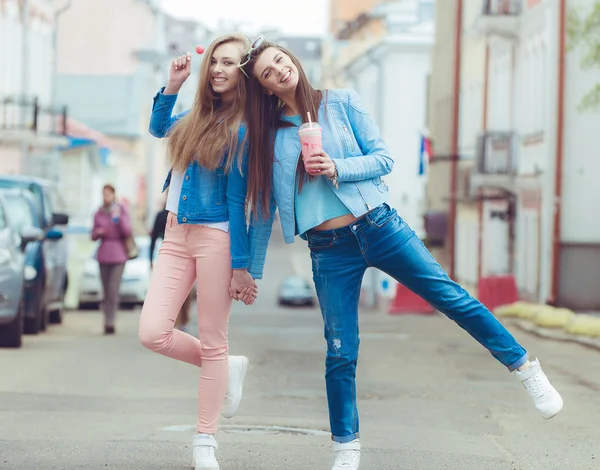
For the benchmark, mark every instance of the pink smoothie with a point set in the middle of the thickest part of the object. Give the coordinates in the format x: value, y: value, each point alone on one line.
x: 310, y: 134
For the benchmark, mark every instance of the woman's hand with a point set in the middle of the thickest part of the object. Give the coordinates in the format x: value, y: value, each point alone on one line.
x: 181, y: 68
x: 320, y: 164
x: 243, y: 287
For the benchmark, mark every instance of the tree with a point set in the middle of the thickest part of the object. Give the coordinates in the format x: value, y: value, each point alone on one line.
x: 583, y: 29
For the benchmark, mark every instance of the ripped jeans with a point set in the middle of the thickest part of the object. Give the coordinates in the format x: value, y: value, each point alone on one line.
x: 383, y: 240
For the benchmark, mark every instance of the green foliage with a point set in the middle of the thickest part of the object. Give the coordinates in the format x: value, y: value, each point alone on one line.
x: 583, y: 29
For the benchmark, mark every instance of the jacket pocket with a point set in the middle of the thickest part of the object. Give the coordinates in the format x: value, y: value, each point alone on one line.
x: 380, y: 183
x: 220, y: 187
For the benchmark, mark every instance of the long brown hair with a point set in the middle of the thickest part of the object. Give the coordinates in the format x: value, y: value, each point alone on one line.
x: 211, y: 127
x: 263, y: 115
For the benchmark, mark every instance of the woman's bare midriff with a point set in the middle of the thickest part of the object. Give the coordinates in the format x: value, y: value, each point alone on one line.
x: 337, y: 222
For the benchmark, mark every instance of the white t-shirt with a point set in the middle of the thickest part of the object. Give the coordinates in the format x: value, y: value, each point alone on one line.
x: 175, y: 194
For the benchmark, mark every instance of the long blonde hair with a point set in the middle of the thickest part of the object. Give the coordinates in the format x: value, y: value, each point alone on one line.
x: 211, y: 128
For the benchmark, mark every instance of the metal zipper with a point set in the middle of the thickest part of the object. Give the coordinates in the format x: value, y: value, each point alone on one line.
x: 363, y: 197
x: 294, y: 190
x: 349, y: 137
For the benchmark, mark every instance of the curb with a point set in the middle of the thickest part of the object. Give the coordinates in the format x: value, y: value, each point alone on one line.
x: 554, y: 323
x: 556, y: 335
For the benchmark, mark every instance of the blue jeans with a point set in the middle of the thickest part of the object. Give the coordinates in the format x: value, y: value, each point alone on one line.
x: 383, y: 240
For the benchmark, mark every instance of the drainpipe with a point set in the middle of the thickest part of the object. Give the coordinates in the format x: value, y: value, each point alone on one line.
x: 53, y: 103
x: 57, y: 14
x: 480, y: 191
x: 559, y: 155
x: 25, y: 49
x: 455, y: 129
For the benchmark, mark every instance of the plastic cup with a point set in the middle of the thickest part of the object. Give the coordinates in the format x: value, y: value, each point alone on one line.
x: 311, y: 139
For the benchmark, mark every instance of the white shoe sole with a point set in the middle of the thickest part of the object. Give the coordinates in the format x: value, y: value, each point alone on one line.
x: 555, y: 413
x: 243, y: 372
x: 205, y: 467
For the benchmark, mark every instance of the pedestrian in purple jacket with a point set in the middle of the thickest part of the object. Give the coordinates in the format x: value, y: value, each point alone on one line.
x: 111, y: 226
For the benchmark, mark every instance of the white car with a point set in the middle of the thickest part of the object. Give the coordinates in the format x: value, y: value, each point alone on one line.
x: 134, y: 283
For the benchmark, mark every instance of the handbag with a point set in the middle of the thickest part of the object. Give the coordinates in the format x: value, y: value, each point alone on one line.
x: 130, y: 247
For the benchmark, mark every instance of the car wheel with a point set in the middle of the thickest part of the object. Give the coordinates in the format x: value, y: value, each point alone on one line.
x: 88, y: 306
x: 11, y: 334
x: 56, y: 316
x: 32, y: 326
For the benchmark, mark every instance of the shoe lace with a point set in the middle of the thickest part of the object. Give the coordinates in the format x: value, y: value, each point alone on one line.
x: 347, y: 458
x: 204, y: 451
x: 535, y: 385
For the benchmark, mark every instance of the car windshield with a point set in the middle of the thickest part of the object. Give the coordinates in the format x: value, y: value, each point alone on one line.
x: 296, y: 283
x: 20, y: 212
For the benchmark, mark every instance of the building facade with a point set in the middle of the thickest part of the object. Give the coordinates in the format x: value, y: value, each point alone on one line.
x: 524, y: 188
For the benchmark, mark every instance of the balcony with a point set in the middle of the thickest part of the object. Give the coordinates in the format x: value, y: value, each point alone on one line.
x: 25, y: 120
x: 499, y: 18
x: 496, y: 162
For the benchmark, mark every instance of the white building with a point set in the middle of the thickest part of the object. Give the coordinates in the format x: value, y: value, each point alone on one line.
x: 531, y: 200
x: 29, y: 117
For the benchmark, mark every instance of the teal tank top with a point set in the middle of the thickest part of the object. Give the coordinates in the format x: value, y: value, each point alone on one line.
x: 316, y: 203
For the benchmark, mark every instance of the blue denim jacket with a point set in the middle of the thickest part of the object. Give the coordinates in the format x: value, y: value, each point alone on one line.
x: 207, y: 195
x: 352, y: 139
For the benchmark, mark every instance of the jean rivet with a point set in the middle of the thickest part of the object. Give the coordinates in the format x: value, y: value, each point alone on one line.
x: 184, y: 219
x: 354, y: 227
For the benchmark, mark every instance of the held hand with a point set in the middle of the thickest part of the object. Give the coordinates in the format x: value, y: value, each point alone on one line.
x: 248, y: 295
x: 243, y: 287
x: 320, y: 164
x: 181, y: 68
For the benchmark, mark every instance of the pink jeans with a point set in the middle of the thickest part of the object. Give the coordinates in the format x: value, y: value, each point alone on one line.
x: 189, y: 253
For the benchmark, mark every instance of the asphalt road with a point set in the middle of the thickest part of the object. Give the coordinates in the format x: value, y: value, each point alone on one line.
x: 429, y: 397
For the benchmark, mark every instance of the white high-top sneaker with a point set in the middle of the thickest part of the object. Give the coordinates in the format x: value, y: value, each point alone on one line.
x: 238, y: 367
x: 348, y: 455
x: 204, y: 452
x: 547, y: 400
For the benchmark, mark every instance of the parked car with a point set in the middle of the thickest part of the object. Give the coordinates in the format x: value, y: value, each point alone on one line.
x: 295, y: 290
x: 12, y: 278
x: 134, y: 283
x: 21, y: 212
x: 52, y: 221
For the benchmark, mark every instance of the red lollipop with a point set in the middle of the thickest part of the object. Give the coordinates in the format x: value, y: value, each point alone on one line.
x: 199, y: 50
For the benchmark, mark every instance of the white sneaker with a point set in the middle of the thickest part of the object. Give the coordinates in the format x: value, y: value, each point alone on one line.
x: 348, y: 455
x: 238, y: 367
x: 547, y: 400
x: 204, y: 452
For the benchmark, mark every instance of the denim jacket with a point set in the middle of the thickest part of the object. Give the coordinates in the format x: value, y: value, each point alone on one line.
x: 207, y: 196
x: 352, y: 139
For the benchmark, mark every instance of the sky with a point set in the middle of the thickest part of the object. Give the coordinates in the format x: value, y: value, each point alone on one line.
x: 306, y: 18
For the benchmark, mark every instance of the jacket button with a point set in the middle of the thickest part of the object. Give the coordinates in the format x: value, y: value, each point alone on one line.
x: 184, y: 219
x: 184, y: 198
x: 187, y: 177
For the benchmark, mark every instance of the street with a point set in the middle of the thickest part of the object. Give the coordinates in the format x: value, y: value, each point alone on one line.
x: 429, y: 397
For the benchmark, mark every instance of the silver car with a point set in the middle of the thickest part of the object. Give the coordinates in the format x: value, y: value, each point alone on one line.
x: 12, y: 278
x: 295, y: 290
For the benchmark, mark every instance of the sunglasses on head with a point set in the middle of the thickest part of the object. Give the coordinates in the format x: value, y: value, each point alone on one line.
x: 244, y: 60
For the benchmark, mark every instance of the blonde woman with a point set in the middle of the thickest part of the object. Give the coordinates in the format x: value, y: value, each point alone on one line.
x: 205, y: 237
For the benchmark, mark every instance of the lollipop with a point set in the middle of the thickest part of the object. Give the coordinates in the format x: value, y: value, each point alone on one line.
x: 199, y: 50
